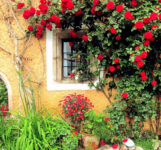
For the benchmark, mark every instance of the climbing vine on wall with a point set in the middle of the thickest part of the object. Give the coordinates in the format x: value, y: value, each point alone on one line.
x: 124, y: 39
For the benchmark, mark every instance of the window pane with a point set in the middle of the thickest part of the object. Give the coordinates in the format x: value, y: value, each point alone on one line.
x: 67, y: 71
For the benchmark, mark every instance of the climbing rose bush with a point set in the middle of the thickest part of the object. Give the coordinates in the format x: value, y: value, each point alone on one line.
x: 124, y: 39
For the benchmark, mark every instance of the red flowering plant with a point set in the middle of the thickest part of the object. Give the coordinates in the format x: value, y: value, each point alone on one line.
x: 74, y: 107
x: 124, y: 39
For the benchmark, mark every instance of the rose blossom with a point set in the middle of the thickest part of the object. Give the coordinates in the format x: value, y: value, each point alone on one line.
x: 154, y: 83
x: 139, y: 25
x: 48, y: 26
x: 144, y: 55
x: 116, y: 60
x: 73, y: 33
x: 102, y: 142
x: 39, y: 28
x: 38, y: 34
x: 70, y: 5
x: 30, y: 28
x: 110, y: 5
x: 119, y: 8
x: 85, y: 38
x: 72, y: 74
x: 134, y: 3
x: 99, y: 57
x: 118, y: 37
x: 153, y: 16
x: 128, y: 15
x: 146, y: 20
x: 148, y: 35
x: 112, y: 68
x: 146, y: 43
x: 142, y: 74
x: 124, y: 95
x: 26, y: 14
x: 43, y: 22
x: 114, y: 146
x: 71, y: 44
x: 113, y: 30
x: 118, y: 67
x: 138, y: 58
x: 140, y: 64
x: 79, y: 12
x: 124, y: 140
x: 20, y: 5
x: 144, y: 78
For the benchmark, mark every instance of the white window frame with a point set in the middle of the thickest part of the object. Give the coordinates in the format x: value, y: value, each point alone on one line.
x: 54, y: 85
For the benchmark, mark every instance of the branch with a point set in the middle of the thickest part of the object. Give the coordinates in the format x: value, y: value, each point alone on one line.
x: 6, y: 50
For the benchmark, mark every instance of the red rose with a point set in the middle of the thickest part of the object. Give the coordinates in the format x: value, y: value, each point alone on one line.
x: 116, y: 60
x: 85, y: 38
x: 146, y: 20
x: 107, y: 119
x: 124, y: 95
x: 159, y: 1
x: 142, y: 74
x: 38, y: 12
x: 73, y: 33
x: 99, y: 13
x: 113, y: 30
x: 118, y: 67
x: 71, y: 44
x: 154, y: 27
x: 140, y: 124
x: 102, y: 142
x: 140, y: 64
x: 39, y: 28
x: 138, y: 58
x: 32, y: 11
x: 43, y: 22
x: 148, y: 35
x: 43, y: 8
x: 139, y: 25
x: 95, y: 2
x: 128, y: 15
x: 124, y: 140
x: 30, y: 28
x: 57, y: 20
x: 118, y: 37
x: 134, y: 3
x: 70, y: 5
x: 114, y: 146
x: 72, y: 74
x: 59, y: 26
x: 26, y: 14
x: 144, y: 55
x: 20, y: 5
x: 144, y: 78
x: 43, y: 1
x: 160, y: 16
x: 152, y: 40
x: 119, y: 8
x: 131, y: 54
x: 153, y: 16
x: 79, y: 12
x: 48, y: 26
x: 38, y: 34
x: 112, y: 69
x: 146, y: 43
x: 99, y: 57
x: 93, y: 10
x: 154, y: 83
x: 110, y: 5
x: 137, y: 47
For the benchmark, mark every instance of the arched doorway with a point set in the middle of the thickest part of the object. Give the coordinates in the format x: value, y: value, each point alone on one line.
x: 6, y: 92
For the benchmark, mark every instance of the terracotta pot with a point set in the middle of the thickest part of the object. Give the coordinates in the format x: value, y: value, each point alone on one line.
x: 90, y: 142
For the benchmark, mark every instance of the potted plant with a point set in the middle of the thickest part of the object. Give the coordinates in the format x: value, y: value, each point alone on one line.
x: 93, y: 128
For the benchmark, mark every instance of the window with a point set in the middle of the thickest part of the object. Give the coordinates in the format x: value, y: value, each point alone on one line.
x: 59, y: 62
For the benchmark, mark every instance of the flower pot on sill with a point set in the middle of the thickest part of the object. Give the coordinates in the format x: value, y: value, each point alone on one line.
x: 90, y: 142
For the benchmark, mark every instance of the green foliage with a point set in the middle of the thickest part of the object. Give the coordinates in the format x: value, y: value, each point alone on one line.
x: 146, y: 144
x: 3, y: 93
x: 97, y: 124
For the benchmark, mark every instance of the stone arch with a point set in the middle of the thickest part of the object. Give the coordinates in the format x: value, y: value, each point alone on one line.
x: 9, y: 90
